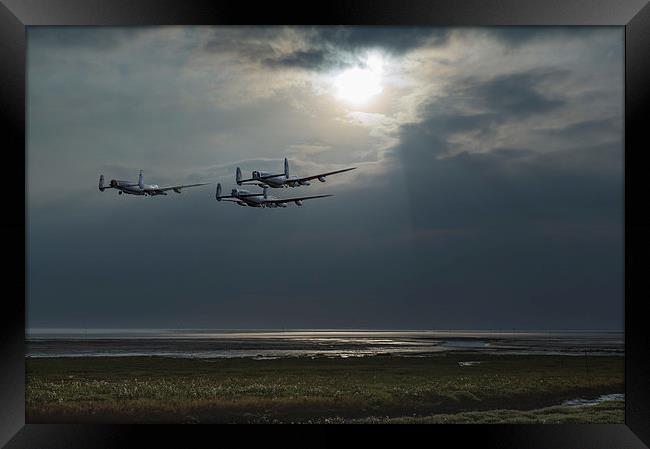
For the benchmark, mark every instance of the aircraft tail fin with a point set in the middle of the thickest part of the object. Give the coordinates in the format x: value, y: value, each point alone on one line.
x: 286, y: 167
x: 238, y: 176
x: 141, y: 180
x: 266, y: 192
x: 218, y: 195
x: 102, y: 187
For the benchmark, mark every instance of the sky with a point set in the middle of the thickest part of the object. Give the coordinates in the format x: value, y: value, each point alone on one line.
x: 488, y: 192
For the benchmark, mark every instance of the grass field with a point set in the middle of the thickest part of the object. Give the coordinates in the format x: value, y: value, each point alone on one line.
x: 371, y: 389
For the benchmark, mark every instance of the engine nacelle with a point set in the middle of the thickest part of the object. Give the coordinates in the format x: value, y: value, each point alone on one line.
x: 321, y: 178
x: 298, y: 203
x: 304, y: 183
x: 177, y: 190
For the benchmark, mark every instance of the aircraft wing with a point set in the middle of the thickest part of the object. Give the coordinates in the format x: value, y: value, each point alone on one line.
x: 235, y: 199
x: 290, y: 200
x: 241, y: 195
x: 178, y: 188
x: 231, y: 199
x: 262, y: 178
x: 322, y: 175
x: 256, y: 181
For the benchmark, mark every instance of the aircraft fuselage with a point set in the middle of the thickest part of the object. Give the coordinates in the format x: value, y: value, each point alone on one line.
x: 277, y: 181
x: 253, y: 201
x: 133, y: 188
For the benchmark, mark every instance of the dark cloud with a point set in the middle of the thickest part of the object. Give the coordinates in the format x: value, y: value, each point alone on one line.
x: 505, y: 98
x: 310, y: 59
x: 396, y: 40
x: 526, y: 233
x: 516, y: 95
x: 600, y: 128
x: 511, y: 153
x: 338, y: 46
x: 539, y: 230
x: 252, y: 42
x: 518, y: 36
x: 96, y: 38
x: 507, y: 177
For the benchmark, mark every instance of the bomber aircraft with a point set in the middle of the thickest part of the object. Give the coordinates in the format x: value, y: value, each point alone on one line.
x: 246, y: 198
x: 264, y: 179
x: 140, y: 188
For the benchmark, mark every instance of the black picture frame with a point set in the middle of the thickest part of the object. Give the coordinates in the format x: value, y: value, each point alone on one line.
x: 634, y: 15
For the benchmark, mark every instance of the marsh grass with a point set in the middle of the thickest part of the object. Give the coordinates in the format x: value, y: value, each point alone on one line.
x: 434, y: 389
x: 603, y: 413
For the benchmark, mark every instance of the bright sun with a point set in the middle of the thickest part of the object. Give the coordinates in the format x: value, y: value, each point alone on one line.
x: 358, y: 85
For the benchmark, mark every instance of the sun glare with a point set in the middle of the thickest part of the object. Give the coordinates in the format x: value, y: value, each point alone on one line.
x: 358, y: 85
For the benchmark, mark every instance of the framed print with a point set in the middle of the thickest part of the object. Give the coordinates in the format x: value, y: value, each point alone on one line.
x: 429, y: 214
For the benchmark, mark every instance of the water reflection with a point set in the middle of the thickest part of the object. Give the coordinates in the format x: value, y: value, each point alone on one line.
x: 269, y: 344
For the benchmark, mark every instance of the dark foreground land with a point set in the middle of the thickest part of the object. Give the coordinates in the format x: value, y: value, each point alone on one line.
x: 501, y: 388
